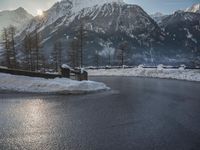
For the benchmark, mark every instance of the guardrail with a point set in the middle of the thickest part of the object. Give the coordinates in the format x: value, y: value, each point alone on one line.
x: 65, y: 73
x: 128, y: 67
x: 30, y: 73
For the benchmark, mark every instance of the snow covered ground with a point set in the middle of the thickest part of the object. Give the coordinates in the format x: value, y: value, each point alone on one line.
x: 181, y: 73
x: 40, y: 85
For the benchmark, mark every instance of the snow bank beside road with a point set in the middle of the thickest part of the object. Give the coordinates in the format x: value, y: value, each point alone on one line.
x: 40, y: 85
x: 181, y: 74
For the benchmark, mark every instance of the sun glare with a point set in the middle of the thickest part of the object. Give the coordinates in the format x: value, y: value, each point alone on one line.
x: 39, y: 12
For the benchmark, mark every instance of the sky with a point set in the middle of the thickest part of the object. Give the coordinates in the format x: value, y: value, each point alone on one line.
x: 150, y: 6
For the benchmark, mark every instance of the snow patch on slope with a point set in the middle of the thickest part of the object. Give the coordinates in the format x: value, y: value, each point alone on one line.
x: 189, y: 35
x: 80, y: 4
x: 195, y: 8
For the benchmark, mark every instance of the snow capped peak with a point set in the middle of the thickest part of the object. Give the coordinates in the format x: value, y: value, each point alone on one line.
x: 80, y: 4
x: 71, y: 8
x: 157, y: 14
x: 95, y: 2
x: 18, y: 18
x: 20, y: 9
x: 195, y: 8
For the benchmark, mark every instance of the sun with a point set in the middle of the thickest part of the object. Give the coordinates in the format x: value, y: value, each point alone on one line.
x: 39, y: 12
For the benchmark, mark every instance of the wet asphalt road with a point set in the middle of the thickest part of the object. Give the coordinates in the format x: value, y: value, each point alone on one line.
x: 138, y: 114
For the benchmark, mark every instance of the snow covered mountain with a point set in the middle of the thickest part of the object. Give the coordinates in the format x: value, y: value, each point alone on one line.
x: 183, y: 30
x: 68, y: 9
x: 18, y: 18
x: 110, y: 22
x: 107, y: 22
x: 157, y: 14
x: 195, y: 8
x: 158, y: 17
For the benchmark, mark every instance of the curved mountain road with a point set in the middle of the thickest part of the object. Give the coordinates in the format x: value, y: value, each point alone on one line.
x: 139, y: 113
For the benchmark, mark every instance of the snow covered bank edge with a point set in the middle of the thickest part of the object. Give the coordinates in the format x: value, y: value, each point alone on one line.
x: 178, y: 74
x: 40, y: 85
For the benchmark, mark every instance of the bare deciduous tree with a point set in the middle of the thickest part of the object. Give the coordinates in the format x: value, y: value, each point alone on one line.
x: 96, y: 59
x: 57, y: 55
x: 74, y: 53
x: 9, y: 46
x: 36, y: 45
x: 6, y: 43
x: 12, y: 32
x: 81, y: 35
x: 122, y: 51
x: 28, y: 52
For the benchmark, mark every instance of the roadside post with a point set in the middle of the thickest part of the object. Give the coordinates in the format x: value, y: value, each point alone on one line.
x: 65, y: 72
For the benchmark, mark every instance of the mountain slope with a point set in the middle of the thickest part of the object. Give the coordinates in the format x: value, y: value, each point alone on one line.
x: 183, y: 30
x: 158, y: 17
x: 107, y: 25
x: 111, y: 22
x: 67, y: 9
x: 18, y: 18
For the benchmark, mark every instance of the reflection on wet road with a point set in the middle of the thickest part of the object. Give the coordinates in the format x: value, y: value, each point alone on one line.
x: 137, y: 114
